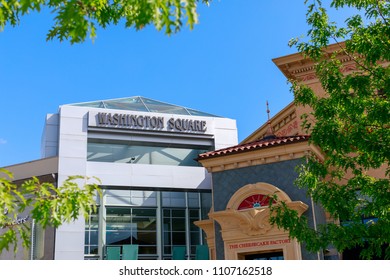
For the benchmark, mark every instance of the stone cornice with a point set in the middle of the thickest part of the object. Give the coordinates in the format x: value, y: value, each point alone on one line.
x: 300, y: 68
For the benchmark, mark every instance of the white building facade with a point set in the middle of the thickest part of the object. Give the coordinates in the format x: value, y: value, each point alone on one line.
x: 143, y: 152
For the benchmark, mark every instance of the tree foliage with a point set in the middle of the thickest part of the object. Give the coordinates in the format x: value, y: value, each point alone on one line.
x: 45, y: 203
x: 351, y: 125
x: 75, y: 20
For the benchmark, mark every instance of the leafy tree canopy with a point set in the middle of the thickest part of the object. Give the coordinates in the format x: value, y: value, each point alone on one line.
x: 351, y: 124
x: 46, y: 204
x: 74, y: 20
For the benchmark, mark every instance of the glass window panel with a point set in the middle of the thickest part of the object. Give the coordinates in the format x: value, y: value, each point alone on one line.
x: 120, y: 211
x: 119, y: 226
x: 178, y: 202
x: 147, y: 238
x: 165, y: 194
x: 167, y: 224
x: 147, y: 250
x: 93, y: 250
x: 94, y: 237
x: 178, y: 213
x: 136, y: 198
x: 142, y: 212
x: 178, y: 195
x: 96, y: 153
x: 149, y: 194
x: 150, y: 153
x: 166, y: 202
x: 145, y: 223
x: 193, y: 195
x: 94, y: 223
x: 144, y: 105
x: 118, y: 219
x: 179, y: 238
x: 151, y: 201
x: 194, y: 214
x: 178, y: 224
x: 139, y: 194
x: 193, y: 227
x: 174, y: 199
x: 195, y: 238
x: 193, y: 203
x: 167, y: 250
x: 119, y: 223
x: 174, y: 156
x: 167, y: 238
x: 140, y: 155
x: 137, y: 201
x: 118, y: 238
x: 138, y: 225
x: 91, y: 234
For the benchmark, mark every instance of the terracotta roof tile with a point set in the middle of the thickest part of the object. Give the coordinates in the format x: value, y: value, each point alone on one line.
x: 255, y: 145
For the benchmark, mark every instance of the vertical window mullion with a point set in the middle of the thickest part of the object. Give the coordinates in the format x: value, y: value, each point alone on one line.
x: 159, y: 227
x: 171, y: 228
x: 187, y: 226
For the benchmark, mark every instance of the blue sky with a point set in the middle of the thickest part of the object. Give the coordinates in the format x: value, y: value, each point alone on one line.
x: 224, y: 67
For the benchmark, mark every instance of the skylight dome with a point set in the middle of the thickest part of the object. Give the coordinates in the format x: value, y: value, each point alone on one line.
x: 142, y: 104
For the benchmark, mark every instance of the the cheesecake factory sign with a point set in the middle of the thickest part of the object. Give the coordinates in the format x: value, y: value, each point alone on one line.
x: 129, y: 121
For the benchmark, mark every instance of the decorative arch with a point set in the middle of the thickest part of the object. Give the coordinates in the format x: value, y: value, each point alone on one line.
x: 260, y: 189
x: 246, y: 230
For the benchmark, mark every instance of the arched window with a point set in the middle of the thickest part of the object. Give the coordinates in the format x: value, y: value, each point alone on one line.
x: 254, y: 201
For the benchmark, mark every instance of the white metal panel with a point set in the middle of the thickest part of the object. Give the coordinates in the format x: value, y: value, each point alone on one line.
x: 72, y: 161
x: 155, y: 176
x: 49, y: 141
x: 70, y: 241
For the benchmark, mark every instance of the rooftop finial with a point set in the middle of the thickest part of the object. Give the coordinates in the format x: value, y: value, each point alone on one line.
x: 268, y: 111
x: 270, y: 132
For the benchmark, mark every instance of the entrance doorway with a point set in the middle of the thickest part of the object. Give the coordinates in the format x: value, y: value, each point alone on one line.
x: 275, y: 255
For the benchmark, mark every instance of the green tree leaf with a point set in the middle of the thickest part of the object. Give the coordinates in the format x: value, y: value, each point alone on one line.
x: 351, y: 125
x: 75, y: 20
x: 47, y: 204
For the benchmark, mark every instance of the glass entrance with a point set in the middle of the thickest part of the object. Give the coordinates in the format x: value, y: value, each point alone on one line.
x: 277, y: 255
x: 157, y: 221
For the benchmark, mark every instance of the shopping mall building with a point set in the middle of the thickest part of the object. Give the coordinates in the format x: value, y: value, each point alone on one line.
x: 143, y: 151
x: 175, y: 178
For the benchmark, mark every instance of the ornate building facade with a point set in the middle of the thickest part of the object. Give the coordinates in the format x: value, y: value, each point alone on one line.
x: 265, y: 164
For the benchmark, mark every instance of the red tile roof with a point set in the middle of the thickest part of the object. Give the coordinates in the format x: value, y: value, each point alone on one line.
x: 255, y: 145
